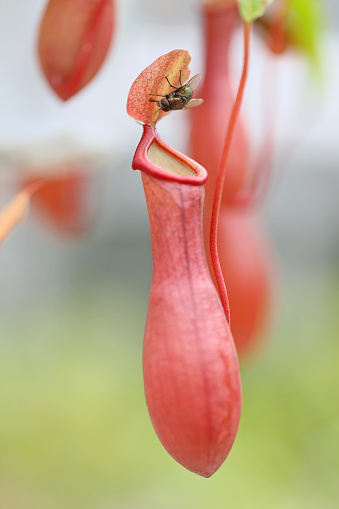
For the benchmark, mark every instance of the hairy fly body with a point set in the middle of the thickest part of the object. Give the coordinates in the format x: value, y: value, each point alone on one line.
x: 181, y: 97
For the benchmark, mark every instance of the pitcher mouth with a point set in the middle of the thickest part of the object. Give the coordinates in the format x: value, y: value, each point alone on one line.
x: 157, y: 158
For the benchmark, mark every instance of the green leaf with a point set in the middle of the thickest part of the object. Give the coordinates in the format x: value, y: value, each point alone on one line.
x: 250, y: 10
x: 305, y: 22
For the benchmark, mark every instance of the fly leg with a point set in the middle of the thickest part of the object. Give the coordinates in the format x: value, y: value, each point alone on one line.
x: 176, y: 88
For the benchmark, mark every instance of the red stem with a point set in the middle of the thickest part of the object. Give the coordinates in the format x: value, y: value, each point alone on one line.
x: 262, y: 168
x: 221, y: 178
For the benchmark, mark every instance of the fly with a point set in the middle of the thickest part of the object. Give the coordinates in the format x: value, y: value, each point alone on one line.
x: 181, y: 98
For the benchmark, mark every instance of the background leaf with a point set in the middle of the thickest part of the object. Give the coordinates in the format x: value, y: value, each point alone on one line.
x: 74, y: 39
x: 250, y: 10
x: 15, y: 211
x: 305, y: 20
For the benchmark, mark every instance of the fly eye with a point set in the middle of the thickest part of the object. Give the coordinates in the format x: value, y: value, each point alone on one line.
x: 165, y: 104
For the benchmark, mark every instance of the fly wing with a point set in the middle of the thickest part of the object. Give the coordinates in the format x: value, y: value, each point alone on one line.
x: 193, y: 82
x: 193, y: 103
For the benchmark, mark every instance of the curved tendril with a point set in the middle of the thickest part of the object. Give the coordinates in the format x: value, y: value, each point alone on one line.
x: 221, y: 177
